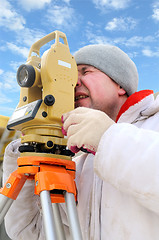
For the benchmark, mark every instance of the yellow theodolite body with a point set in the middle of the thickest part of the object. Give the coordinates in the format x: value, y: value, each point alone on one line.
x: 49, y: 92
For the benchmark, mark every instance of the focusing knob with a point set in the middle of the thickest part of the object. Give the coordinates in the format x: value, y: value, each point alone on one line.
x: 49, y: 100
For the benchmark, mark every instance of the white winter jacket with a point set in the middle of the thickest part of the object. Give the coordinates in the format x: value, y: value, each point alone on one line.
x: 118, y: 189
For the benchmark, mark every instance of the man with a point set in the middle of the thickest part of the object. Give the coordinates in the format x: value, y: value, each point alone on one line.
x: 118, y: 192
x: 106, y: 78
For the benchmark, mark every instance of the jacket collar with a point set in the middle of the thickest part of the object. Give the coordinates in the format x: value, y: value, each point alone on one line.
x: 136, y: 103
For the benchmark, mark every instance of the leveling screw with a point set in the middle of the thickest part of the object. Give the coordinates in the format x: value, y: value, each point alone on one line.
x: 27, y: 174
x: 8, y: 185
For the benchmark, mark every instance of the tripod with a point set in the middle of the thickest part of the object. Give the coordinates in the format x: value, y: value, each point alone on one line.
x: 54, y: 182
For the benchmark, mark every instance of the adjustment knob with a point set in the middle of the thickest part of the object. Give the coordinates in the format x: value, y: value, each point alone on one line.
x: 49, y: 100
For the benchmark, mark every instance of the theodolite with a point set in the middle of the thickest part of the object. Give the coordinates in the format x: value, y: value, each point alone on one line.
x: 47, y: 91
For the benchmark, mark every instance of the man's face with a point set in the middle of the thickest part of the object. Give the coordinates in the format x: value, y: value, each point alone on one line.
x: 96, y: 90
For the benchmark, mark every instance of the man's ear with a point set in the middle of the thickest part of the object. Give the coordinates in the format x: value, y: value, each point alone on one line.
x: 121, y: 91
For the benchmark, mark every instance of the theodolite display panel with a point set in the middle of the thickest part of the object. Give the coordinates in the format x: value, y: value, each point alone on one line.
x: 24, y: 114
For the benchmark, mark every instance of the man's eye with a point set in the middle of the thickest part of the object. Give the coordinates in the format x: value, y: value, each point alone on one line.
x: 87, y: 71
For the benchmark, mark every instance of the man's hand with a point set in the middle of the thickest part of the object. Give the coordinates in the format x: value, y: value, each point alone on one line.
x: 84, y: 128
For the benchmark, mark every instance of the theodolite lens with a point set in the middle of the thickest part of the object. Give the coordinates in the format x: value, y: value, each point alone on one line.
x: 26, y: 75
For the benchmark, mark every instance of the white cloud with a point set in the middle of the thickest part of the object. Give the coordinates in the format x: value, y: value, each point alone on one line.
x: 9, y: 78
x: 1, y: 71
x: 29, y: 36
x: 67, y: 1
x: 29, y: 5
x: 8, y: 82
x: 61, y: 16
x: 116, y: 4
x: 25, y: 38
x: 9, y: 18
x: 23, y: 51
x: 4, y: 99
x: 155, y: 14
x: 149, y: 53
x: 9, y: 92
x: 2, y: 48
x: 99, y: 39
x: 136, y: 42
x: 5, y: 103
x: 134, y: 45
x: 15, y: 65
x: 6, y: 109
x: 121, y: 24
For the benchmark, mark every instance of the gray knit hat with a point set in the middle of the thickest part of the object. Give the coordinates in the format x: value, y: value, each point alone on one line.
x: 113, y: 62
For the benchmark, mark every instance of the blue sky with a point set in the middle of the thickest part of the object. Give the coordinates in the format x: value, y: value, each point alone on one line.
x: 132, y: 25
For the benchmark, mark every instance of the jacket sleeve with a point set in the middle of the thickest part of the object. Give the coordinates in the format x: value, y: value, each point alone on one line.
x: 23, y: 220
x: 128, y: 158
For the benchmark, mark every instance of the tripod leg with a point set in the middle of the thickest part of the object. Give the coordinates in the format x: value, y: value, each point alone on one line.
x: 5, y: 204
x: 49, y: 222
x: 73, y: 216
x: 58, y: 222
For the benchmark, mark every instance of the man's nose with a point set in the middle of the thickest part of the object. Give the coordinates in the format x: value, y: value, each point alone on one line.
x: 79, y: 82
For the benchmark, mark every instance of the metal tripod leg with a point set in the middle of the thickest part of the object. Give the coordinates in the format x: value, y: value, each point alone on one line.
x: 73, y: 216
x: 52, y: 219
x: 5, y: 204
x: 49, y: 222
x: 58, y: 222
